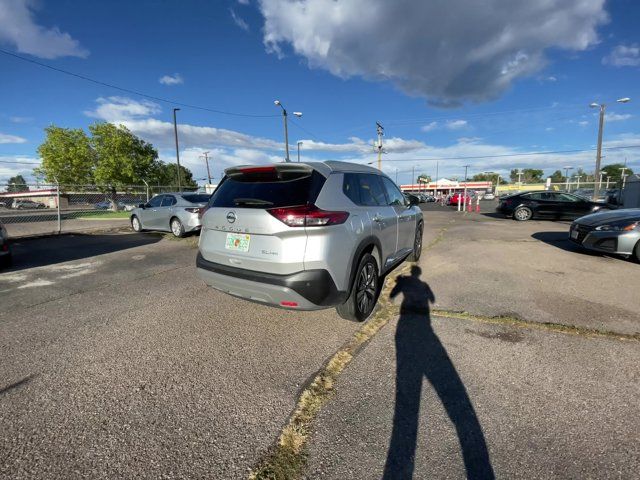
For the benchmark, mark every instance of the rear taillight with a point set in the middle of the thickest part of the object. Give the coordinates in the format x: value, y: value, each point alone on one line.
x: 308, y: 216
x: 4, y: 247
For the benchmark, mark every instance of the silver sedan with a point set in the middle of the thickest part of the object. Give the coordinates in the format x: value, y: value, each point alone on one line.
x: 615, y: 231
x: 174, y: 212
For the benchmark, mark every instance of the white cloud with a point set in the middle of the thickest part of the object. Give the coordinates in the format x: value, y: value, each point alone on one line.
x: 583, y: 123
x: 18, y: 28
x: 175, y: 79
x: 117, y: 109
x: 5, y: 138
x: 239, y: 21
x: 8, y: 169
x: 429, y: 127
x: 449, y: 52
x: 623, y: 56
x: 455, y: 124
x: 549, y: 129
x: 616, y: 117
x: 20, y: 119
x: 243, y: 2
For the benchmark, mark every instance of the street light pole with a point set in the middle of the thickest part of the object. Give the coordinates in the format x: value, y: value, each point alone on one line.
x: 464, y: 200
x: 566, y: 177
x: 299, y: 143
x: 286, y: 130
x: 175, y: 131
x: 603, y: 108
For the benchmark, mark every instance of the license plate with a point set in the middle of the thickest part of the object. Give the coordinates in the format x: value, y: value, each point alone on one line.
x: 574, y: 234
x: 238, y: 242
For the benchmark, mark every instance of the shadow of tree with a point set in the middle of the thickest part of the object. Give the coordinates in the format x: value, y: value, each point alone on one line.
x: 420, y: 354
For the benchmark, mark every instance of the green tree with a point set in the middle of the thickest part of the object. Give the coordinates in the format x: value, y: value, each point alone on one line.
x: 423, y: 178
x: 122, y: 157
x: 17, y: 184
x: 557, y: 177
x: 613, y: 171
x: 486, y: 177
x: 529, y: 175
x: 166, y: 174
x: 67, y: 156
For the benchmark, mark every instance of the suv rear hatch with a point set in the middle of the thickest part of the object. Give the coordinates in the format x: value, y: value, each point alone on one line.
x: 253, y: 221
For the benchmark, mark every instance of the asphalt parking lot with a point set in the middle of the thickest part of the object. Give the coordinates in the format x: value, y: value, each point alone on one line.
x: 119, y: 363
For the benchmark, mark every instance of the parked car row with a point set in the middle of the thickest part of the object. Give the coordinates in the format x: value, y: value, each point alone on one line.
x: 5, y: 249
x: 21, y: 204
x: 597, y: 226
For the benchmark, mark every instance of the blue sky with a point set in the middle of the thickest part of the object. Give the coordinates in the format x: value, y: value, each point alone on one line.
x: 460, y: 81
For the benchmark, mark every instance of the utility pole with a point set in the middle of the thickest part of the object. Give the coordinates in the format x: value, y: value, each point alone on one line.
x: 602, y: 107
x: 413, y: 175
x: 175, y: 131
x: 396, y: 176
x: 299, y: 143
x: 622, y: 175
x: 380, y: 132
x: 578, y: 177
x: 206, y: 159
x: 520, y: 178
x: 464, y: 200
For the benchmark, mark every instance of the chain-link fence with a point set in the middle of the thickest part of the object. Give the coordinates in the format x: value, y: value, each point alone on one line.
x: 28, y: 210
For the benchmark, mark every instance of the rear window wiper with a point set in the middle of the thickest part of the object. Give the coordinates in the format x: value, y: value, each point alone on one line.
x: 252, y: 201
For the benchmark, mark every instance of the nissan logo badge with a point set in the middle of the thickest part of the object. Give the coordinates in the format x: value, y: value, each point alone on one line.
x: 231, y: 217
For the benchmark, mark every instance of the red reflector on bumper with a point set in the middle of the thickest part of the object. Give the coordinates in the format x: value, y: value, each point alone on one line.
x: 289, y: 304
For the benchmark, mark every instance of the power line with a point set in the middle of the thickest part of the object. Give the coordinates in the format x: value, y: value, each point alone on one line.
x: 134, y: 92
x: 548, y: 152
x: 20, y: 162
x: 306, y: 130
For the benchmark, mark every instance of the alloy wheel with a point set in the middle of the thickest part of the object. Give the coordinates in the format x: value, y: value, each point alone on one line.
x: 366, y: 288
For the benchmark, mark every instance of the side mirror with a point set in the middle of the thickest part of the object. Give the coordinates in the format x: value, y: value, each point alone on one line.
x: 413, y: 200
x: 142, y: 206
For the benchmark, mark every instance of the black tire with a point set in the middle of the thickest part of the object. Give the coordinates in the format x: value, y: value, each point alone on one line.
x: 136, y: 224
x: 522, y: 214
x: 176, y: 227
x: 636, y: 252
x: 417, y: 245
x: 364, y: 291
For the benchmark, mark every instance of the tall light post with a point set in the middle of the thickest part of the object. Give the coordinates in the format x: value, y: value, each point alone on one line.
x: 578, y: 177
x: 603, y: 108
x: 286, y: 131
x: 464, y: 200
x: 299, y: 143
x: 175, y: 132
x: 566, y: 176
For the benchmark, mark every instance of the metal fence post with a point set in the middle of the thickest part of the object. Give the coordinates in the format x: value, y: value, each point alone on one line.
x: 58, y: 206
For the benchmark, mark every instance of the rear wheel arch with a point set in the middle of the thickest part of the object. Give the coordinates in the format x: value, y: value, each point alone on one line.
x: 370, y: 245
x: 636, y: 252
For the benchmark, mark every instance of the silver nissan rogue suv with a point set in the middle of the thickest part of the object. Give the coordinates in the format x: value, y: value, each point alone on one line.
x: 307, y: 236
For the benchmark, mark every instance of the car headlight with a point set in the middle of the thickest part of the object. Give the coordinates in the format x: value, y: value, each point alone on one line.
x: 618, y: 227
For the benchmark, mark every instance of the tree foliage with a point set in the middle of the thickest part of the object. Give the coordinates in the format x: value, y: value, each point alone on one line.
x: 17, y: 184
x: 485, y: 177
x: 122, y: 157
x: 67, y: 156
x: 557, y: 177
x: 613, y: 171
x: 529, y: 175
x: 112, y: 157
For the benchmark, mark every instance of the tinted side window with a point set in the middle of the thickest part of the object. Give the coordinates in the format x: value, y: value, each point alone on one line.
x: 563, y: 197
x: 371, y: 190
x: 393, y: 192
x: 168, y: 201
x: 350, y: 187
x: 156, y: 201
x: 540, y: 196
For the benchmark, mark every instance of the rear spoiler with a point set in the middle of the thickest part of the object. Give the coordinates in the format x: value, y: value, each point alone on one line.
x: 277, y: 170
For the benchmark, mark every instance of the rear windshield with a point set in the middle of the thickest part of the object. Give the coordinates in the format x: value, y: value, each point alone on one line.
x: 257, y: 191
x: 196, y: 198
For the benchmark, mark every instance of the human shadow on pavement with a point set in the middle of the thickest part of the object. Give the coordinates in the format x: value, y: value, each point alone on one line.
x: 420, y: 354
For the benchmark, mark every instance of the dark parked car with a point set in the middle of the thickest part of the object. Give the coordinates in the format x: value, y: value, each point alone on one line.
x: 552, y: 205
x: 5, y: 251
x: 613, y: 231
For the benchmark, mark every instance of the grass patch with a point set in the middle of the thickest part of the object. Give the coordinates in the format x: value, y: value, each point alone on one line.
x: 191, y: 239
x: 100, y: 215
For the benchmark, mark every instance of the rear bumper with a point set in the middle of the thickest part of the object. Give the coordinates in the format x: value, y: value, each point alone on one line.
x: 306, y: 290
